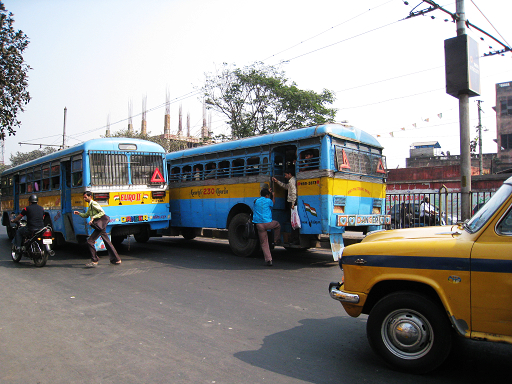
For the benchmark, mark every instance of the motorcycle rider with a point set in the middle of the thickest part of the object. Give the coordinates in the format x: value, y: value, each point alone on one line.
x: 35, y: 214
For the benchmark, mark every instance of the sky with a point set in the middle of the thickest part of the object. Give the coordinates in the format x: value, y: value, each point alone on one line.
x: 95, y: 57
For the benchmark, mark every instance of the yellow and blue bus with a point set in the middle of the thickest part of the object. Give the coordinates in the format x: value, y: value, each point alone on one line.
x: 340, y: 174
x: 126, y: 176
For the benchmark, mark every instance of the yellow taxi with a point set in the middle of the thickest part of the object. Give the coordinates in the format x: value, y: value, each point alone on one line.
x: 421, y: 286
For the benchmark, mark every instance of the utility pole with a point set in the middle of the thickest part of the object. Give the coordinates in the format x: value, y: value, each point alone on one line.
x: 479, y: 128
x: 64, y: 129
x: 465, y: 152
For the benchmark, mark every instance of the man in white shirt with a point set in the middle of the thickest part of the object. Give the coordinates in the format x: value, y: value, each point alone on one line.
x: 427, y: 212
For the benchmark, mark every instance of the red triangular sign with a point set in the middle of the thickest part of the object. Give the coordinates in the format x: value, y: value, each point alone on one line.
x: 345, y: 164
x: 380, y: 167
x: 157, y: 177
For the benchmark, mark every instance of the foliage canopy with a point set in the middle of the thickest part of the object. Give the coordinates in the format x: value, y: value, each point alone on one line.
x: 13, y: 73
x: 23, y: 157
x: 259, y: 99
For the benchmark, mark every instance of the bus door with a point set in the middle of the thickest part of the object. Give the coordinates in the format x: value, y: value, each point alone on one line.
x: 282, y: 158
x: 66, y: 210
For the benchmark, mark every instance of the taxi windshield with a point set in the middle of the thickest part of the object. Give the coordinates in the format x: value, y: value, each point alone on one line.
x: 485, y: 213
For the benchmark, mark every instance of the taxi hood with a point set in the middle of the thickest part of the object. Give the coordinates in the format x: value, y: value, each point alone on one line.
x: 435, y: 232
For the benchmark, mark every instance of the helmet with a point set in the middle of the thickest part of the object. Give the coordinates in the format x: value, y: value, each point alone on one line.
x: 33, y: 199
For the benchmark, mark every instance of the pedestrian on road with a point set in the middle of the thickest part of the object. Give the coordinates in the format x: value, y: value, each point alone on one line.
x: 262, y: 217
x: 98, y: 221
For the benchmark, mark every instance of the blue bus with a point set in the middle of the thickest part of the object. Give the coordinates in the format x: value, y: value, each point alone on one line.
x: 340, y: 174
x: 126, y: 176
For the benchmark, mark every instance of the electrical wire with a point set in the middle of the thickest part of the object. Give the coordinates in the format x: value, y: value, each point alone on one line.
x: 327, y: 30
x: 391, y: 78
x: 476, y: 6
x: 341, y: 41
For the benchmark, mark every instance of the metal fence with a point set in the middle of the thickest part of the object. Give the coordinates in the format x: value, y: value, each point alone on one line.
x: 406, y: 210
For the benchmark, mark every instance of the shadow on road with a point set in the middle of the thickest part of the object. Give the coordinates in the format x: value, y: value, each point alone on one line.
x: 337, y: 347
x: 194, y: 253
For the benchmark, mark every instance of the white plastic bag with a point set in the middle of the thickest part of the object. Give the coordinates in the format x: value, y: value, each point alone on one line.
x: 295, y: 218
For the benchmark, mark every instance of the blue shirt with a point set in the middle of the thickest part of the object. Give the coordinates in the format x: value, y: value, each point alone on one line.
x: 262, y: 210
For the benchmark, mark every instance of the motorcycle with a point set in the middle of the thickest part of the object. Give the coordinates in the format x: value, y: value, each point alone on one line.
x: 37, y: 247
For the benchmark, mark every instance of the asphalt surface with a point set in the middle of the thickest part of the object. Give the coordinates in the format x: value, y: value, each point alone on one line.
x: 178, y: 311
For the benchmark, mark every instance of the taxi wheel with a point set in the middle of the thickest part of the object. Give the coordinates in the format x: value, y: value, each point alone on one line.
x: 410, y: 332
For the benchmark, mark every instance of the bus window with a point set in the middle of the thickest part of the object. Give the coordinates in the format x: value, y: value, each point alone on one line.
x: 223, y: 169
x: 211, y: 171
x: 37, y: 179
x: 253, y: 164
x: 264, y: 167
x: 23, y: 183
x: 55, y: 176
x: 30, y: 180
x: 309, y: 160
x: 175, y: 174
x: 76, y: 171
x: 187, y: 172
x: 108, y: 169
x: 198, y: 171
x: 46, y: 177
x: 143, y: 168
x: 6, y: 182
x: 238, y: 167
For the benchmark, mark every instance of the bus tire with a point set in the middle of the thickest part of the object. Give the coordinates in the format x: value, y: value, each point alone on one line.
x: 239, y: 244
x: 188, y: 233
x: 117, y: 240
x: 141, y: 237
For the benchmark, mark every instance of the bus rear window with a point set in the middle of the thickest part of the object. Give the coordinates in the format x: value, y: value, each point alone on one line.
x: 108, y: 169
x: 143, y: 168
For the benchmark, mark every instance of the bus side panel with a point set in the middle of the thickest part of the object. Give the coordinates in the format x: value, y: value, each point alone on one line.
x: 312, y: 205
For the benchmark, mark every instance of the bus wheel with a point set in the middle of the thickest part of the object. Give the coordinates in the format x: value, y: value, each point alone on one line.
x: 117, y: 240
x: 188, y: 233
x: 240, y: 245
x: 141, y: 237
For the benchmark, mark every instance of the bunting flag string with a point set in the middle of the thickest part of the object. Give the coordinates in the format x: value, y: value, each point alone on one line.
x: 414, y: 125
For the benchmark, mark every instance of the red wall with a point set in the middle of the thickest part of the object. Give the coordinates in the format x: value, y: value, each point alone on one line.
x: 433, y: 178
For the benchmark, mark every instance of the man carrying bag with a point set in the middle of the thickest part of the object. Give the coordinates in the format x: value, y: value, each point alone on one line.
x: 98, y: 221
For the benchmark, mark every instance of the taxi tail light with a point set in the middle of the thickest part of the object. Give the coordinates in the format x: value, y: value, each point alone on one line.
x: 101, y: 196
x: 158, y: 194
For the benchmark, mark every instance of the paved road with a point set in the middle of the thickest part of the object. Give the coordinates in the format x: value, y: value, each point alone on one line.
x: 181, y: 311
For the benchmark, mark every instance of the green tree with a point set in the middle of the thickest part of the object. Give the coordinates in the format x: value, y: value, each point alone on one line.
x: 259, y: 99
x: 23, y: 157
x: 13, y: 73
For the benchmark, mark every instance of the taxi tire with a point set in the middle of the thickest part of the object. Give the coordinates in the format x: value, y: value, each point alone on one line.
x: 417, y: 315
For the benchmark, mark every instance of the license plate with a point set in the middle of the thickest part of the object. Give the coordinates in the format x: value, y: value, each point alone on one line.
x: 47, y: 241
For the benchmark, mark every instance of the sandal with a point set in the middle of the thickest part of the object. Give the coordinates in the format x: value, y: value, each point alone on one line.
x: 116, y: 262
x: 92, y: 264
